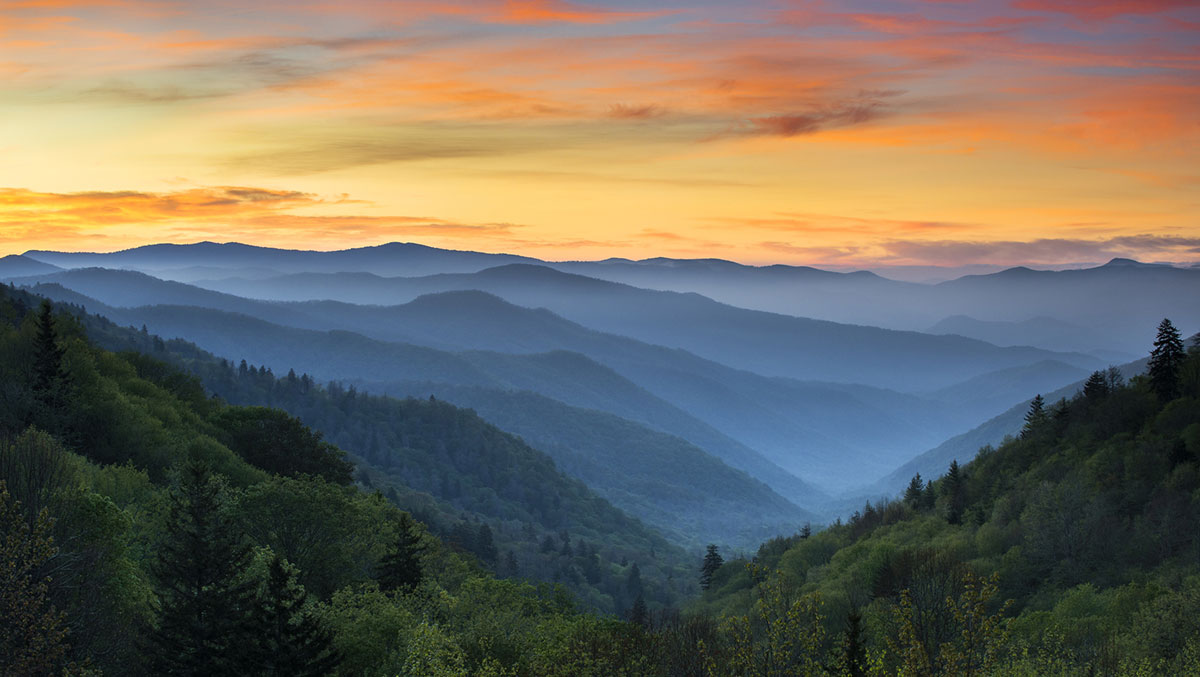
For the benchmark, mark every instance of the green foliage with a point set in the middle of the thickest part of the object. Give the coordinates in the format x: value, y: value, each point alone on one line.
x: 278, y: 443
x: 33, y: 635
x: 1165, y: 362
x: 204, y: 627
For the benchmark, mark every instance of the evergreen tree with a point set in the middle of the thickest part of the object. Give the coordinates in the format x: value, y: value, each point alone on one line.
x: 485, y: 545
x: 202, y: 627
x: 1035, y: 416
x: 49, y: 378
x: 639, y: 614
x: 633, y: 583
x: 954, y: 488
x: 290, y: 640
x: 708, y: 569
x: 1096, y: 387
x: 1165, y: 361
x: 805, y: 531
x: 852, y: 649
x: 912, y: 495
x: 401, y: 568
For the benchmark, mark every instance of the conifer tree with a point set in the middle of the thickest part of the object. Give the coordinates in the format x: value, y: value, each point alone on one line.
x: 204, y: 600
x: 401, y: 568
x: 1096, y: 387
x: 708, y: 569
x: 1035, y: 416
x: 485, y: 545
x: 912, y: 495
x: 639, y: 614
x: 1165, y: 361
x: 852, y: 650
x: 633, y: 583
x: 290, y: 640
x: 954, y: 488
x: 49, y: 378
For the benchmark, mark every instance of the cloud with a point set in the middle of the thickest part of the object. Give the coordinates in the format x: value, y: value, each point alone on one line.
x: 1041, y: 251
x: 627, y: 112
x: 221, y: 212
x: 1103, y: 9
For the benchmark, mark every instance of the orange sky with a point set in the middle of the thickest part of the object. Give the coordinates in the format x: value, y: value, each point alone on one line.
x: 824, y: 133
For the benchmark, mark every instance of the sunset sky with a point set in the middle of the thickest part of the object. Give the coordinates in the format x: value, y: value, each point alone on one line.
x: 865, y: 133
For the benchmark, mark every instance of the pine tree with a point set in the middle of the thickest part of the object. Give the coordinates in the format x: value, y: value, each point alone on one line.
x: 401, y: 568
x: 912, y: 495
x: 1165, y: 361
x: 485, y: 545
x: 1036, y: 415
x: 954, y: 488
x: 639, y: 614
x: 202, y: 626
x: 633, y: 583
x: 852, y: 650
x: 708, y: 569
x: 49, y: 378
x: 1096, y: 387
x: 805, y: 531
x: 290, y: 640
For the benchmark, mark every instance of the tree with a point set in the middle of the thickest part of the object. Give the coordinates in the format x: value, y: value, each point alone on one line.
x: 276, y: 442
x: 202, y: 628
x: 1096, y: 387
x: 708, y: 569
x: 912, y: 495
x: 290, y: 640
x: 852, y: 649
x: 1165, y: 361
x: 485, y: 545
x: 633, y: 583
x: 1035, y: 416
x: 639, y: 614
x: 33, y: 635
x: 401, y: 568
x: 49, y: 378
x: 955, y: 490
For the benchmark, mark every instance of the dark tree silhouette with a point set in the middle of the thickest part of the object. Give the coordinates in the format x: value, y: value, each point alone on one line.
x: 1096, y: 387
x: 203, y: 625
x: 955, y: 490
x: 853, y: 649
x: 401, y: 568
x: 639, y: 614
x: 708, y: 569
x: 1165, y: 360
x: 1035, y: 416
x: 290, y: 640
x: 912, y: 495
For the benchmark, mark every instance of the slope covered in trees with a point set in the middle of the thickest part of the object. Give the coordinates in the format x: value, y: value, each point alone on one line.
x: 1073, y: 549
x: 166, y: 531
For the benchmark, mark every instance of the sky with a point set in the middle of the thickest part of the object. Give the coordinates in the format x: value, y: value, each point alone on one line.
x: 863, y: 133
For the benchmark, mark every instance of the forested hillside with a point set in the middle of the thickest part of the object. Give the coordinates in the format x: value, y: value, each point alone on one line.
x: 151, y: 529
x: 1071, y: 550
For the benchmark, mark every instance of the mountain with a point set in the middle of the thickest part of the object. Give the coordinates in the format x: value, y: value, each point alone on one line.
x: 739, y: 509
x: 394, y: 258
x: 15, y: 265
x: 1041, y: 332
x: 827, y: 433
x: 1139, y: 291
x: 765, y: 343
x: 989, y: 433
x: 1070, y: 550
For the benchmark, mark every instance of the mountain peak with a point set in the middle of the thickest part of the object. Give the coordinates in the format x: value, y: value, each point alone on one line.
x: 1119, y: 262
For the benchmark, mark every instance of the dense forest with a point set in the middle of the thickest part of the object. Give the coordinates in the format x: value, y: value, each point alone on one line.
x: 150, y: 527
